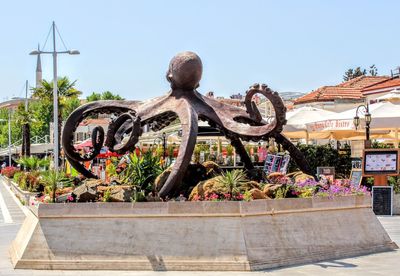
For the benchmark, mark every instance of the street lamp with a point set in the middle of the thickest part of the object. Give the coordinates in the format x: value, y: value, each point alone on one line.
x: 55, y: 90
x: 368, y: 119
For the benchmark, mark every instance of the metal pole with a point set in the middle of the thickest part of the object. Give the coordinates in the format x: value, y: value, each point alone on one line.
x: 164, y: 148
x: 26, y: 96
x: 367, y: 125
x: 9, y: 138
x: 55, y: 102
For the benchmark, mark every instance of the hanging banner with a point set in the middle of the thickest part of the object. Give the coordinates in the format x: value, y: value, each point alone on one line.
x: 331, y: 125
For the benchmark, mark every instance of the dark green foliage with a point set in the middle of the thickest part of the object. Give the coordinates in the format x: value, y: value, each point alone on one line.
x: 325, y: 156
x: 106, y: 95
x: 377, y: 145
x: 395, y: 182
x: 142, y: 171
x: 358, y: 71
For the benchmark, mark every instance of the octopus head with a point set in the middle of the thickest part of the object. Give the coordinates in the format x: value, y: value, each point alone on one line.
x: 185, y: 71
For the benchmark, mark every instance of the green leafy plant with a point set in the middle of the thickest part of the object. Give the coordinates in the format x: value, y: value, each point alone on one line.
x: 33, y: 163
x: 232, y: 181
x: 111, y: 169
x: 107, y: 196
x: 281, y: 192
x: 395, y: 182
x: 142, y: 171
x: 51, y: 178
x: 247, y: 196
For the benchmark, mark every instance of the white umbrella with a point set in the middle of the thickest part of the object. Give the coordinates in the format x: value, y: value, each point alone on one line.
x: 392, y: 95
x: 297, y: 119
x: 385, y: 116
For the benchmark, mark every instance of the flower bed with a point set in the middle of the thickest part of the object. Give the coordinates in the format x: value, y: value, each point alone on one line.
x: 9, y: 171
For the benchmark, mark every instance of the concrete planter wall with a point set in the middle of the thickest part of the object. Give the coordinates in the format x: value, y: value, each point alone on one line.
x: 197, y: 235
x: 6, y: 180
x: 21, y: 194
x: 396, y: 204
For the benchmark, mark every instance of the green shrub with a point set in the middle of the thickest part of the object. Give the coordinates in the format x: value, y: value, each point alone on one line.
x: 142, y: 171
x: 33, y: 163
x: 325, y: 156
x: 395, y: 182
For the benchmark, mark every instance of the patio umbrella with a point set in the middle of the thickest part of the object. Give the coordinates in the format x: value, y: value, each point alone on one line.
x: 297, y: 120
x: 84, y: 144
x: 385, y: 117
x: 392, y: 96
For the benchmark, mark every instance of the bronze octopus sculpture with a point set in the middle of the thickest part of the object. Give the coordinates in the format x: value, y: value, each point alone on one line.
x: 185, y: 103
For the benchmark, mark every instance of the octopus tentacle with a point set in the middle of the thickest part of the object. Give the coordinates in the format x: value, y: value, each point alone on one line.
x: 246, y: 124
x: 124, y: 123
x: 76, y: 117
x: 273, y: 97
x: 244, y: 157
x: 189, y: 121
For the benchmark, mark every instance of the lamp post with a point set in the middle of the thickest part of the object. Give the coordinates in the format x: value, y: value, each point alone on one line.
x: 164, y: 138
x: 368, y: 119
x: 55, y: 90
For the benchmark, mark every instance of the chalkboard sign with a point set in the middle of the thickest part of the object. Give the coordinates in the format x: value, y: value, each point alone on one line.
x: 356, y: 177
x: 329, y: 172
x: 382, y: 200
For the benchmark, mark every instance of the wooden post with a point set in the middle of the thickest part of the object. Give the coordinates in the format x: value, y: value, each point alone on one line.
x: 380, y: 180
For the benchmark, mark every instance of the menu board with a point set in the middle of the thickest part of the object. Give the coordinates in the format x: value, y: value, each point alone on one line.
x: 356, y: 177
x: 285, y: 164
x: 381, y: 162
x: 276, y: 163
x: 382, y: 200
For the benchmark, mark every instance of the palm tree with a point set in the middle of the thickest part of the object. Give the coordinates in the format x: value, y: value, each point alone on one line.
x: 51, y: 179
x: 33, y: 163
x: 24, y: 119
x: 66, y: 92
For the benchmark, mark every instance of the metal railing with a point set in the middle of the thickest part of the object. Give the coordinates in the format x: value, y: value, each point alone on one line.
x: 34, y: 140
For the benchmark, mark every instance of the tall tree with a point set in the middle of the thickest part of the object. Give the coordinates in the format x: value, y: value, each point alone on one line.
x: 354, y: 73
x: 106, y: 95
x: 24, y: 119
x: 373, y: 71
x: 66, y: 91
x: 358, y: 71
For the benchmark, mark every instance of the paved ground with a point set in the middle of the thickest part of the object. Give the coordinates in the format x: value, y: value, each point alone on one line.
x: 377, y: 264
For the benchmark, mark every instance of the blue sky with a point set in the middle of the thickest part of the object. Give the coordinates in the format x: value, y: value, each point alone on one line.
x: 126, y: 45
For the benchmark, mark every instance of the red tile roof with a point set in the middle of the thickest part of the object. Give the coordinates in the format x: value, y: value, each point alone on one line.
x: 350, y: 90
x: 102, y: 121
x: 387, y: 84
x: 363, y: 81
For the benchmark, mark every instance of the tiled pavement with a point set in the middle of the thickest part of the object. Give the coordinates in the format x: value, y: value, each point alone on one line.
x: 387, y: 263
